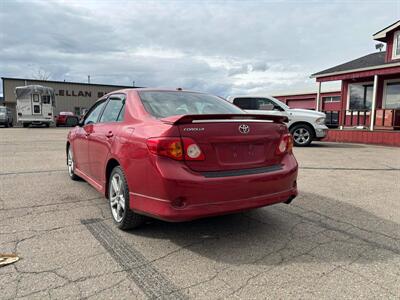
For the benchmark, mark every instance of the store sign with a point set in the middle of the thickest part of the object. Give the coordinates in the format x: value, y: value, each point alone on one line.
x: 69, y: 93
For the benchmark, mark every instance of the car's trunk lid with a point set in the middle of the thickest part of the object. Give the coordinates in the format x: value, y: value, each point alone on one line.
x: 232, y: 142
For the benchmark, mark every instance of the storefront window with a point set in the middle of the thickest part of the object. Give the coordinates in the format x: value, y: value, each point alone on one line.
x: 360, y: 96
x: 392, y: 94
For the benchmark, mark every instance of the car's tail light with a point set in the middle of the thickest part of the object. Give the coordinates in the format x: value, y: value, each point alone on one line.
x: 285, y: 144
x: 192, y: 150
x: 175, y: 148
x: 169, y: 147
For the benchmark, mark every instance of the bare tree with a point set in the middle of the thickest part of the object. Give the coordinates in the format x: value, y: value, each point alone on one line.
x: 41, y: 74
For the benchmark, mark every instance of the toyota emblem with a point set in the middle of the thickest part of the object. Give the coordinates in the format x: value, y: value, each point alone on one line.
x: 244, y: 128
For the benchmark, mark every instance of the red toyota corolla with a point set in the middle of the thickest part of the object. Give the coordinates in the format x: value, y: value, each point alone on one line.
x: 178, y: 155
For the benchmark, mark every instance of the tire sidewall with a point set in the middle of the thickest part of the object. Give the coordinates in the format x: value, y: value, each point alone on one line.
x: 73, y: 176
x: 121, y: 174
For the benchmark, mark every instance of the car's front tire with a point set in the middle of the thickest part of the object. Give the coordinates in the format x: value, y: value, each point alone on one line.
x: 71, y: 165
x: 302, y: 135
x: 118, y: 196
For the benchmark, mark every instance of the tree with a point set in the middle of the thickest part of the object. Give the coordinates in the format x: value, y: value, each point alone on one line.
x: 41, y: 74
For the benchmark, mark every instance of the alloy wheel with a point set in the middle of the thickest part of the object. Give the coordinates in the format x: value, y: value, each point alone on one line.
x: 301, y: 136
x: 70, y: 162
x: 117, y: 198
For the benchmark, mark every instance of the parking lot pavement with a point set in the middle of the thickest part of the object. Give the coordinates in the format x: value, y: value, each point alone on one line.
x: 339, y: 239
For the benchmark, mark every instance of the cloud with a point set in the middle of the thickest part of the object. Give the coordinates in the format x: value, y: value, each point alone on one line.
x: 219, y: 47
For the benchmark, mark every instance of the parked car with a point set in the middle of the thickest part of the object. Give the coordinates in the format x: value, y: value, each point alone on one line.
x: 6, y: 116
x: 304, y: 125
x: 66, y: 118
x: 179, y: 155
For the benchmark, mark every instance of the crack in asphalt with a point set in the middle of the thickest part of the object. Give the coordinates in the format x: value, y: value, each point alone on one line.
x: 349, y: 169
x: 32, y: 172
x: 50, y: 204
x: 322, y: 224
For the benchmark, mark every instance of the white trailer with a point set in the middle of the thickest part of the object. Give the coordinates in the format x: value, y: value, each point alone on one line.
x: 35, y: 105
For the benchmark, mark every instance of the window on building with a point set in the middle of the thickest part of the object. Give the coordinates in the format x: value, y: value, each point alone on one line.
x: 396, y: 45
x: 77, y: 110
x: 331, y: 99
x: 392, y: 95
x: 360, y: 96
x: 80, y: 111
x: 35, y: 97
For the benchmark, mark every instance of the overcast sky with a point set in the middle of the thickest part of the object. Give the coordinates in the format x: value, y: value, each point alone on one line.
x: 221, y: 47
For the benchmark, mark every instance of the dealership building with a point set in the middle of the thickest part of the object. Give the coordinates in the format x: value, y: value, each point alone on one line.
x: 69, y: 96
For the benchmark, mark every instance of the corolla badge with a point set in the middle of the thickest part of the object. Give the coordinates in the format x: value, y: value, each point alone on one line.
x: 244, y: 128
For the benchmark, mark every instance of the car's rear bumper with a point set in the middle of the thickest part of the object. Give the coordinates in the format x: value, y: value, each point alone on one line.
x: 35, y: 120
x: 183, y: 195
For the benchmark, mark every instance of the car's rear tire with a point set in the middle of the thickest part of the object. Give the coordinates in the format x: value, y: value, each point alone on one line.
x: 25, y: 125
x: 118, y: 197
x: 71, y: 165
x: 11, y: 124
x: 302, y: 135
x: 7, y: 124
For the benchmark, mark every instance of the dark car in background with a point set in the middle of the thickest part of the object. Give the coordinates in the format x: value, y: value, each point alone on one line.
x: 6, y: 117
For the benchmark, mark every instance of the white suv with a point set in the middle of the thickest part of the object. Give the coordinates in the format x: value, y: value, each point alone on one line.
x: 304, y: 125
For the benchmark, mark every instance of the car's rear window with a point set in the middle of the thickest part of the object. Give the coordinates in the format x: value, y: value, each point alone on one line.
x: 165, y: 104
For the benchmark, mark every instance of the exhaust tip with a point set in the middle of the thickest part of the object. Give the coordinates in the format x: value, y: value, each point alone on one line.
x: 290, y: 199
x: 179, y: 202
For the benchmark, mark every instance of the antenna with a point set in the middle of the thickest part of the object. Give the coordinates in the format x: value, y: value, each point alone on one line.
x: 379, y: 46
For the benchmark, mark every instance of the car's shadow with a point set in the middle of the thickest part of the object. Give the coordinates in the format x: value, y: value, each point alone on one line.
x: 335, y: 145
x: 315, y: 228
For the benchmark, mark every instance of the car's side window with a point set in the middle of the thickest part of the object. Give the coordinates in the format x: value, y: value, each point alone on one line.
x: 113, y: 110
x: 93, y: 114
x: 265, y: 104
x: 246, y: 103
x: 121, y: 113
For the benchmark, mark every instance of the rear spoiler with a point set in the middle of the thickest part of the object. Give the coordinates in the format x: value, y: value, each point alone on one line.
x: 221, y: 118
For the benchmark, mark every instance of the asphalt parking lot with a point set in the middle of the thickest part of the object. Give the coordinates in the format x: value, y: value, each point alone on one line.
x: 339, y: 239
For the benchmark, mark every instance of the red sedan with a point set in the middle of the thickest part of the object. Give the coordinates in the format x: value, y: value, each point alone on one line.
x: 178, y: 155
x: 66, y: 118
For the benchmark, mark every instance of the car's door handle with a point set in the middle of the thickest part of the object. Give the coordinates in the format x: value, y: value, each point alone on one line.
x: 109, y: 134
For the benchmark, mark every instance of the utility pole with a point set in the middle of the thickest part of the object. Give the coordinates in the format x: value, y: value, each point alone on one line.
x: 133, y: 83
x: 88, y: 79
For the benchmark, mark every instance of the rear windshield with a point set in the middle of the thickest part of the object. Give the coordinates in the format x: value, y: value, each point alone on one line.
x: 166, y: 104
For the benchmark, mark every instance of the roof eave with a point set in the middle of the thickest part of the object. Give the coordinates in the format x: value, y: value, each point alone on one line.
x: 382, y: 34
x: 356, y: 70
